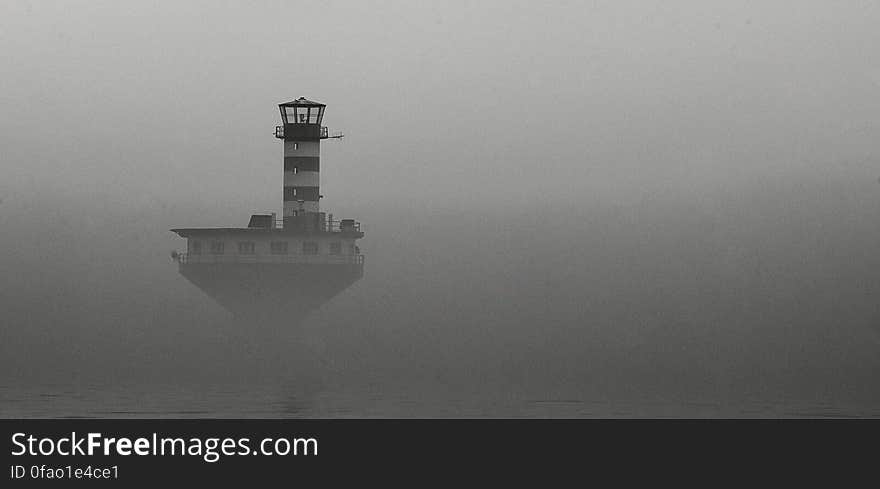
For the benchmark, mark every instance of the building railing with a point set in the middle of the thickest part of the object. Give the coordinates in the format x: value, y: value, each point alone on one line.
x: 332, y: 225
x: 190, y: 258
x: 338, y: 226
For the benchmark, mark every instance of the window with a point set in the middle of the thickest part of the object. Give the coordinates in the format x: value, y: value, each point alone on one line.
x: 195, y: 247
x: 278, y: 247
x: 217, y: 247
x: 310, y: 248
x: 303, y: 114
x: 246, y: 248
x: 336, y: 248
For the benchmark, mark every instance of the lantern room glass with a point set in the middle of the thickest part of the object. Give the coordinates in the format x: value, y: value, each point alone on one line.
x: 303, y: 114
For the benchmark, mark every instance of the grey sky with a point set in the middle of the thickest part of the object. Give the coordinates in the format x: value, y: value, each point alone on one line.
x: 448, y: 103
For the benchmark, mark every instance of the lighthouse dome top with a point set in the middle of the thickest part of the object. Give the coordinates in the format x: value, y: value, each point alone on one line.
x: 302, y: 102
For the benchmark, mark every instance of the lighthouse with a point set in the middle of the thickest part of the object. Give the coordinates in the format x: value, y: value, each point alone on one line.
x: 302, y: 133
x: 280, y: 270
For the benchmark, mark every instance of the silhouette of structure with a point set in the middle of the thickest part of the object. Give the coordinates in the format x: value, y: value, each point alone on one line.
x: 280, y: 270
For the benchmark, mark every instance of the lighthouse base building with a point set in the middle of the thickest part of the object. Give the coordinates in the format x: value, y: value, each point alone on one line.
x: 261, y: 273
x: 280, y: 270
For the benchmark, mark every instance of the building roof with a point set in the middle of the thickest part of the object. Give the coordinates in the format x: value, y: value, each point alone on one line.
x: 302, y: 102
x: 209, y: 232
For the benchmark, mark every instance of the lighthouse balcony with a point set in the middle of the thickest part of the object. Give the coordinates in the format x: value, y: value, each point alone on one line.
x: 304, y: 131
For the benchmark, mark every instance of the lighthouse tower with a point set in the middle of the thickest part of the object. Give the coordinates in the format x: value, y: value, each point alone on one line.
x: 302, y: 133
x: 280, y: 271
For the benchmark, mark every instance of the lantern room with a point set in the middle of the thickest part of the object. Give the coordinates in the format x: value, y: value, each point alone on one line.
x: 302, y: 111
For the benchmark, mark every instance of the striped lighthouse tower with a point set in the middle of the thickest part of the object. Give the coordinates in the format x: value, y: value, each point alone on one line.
x: 302, y: 133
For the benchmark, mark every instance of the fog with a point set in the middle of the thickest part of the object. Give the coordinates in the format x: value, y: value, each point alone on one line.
x: 642, y: 204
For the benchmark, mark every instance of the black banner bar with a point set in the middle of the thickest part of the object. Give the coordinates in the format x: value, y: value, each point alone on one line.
x: 381, y: 451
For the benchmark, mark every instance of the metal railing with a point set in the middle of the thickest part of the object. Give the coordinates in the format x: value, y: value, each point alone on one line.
x: 331, y: 225
x: 335, y: 226
x: 324, y: 133
x: 190, y: 258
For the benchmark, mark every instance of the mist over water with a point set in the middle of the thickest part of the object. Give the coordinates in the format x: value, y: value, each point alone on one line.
x: 603, y: 209
x: 762, y: 300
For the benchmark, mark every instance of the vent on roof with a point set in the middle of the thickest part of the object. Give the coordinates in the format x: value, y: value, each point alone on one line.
x: 266, y: 221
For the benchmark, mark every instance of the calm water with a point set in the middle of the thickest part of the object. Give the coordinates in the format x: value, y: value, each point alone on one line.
x: 163, y: 401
